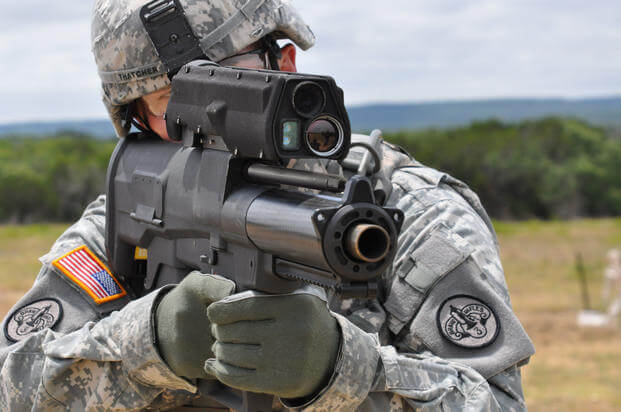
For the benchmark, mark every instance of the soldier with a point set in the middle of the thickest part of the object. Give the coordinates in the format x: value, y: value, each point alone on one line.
x: 441, y: 335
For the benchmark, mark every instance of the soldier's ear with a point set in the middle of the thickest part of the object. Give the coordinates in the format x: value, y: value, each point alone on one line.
x: 287, y: 59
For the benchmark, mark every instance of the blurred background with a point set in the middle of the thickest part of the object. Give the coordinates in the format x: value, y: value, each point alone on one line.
x: 519, y: 99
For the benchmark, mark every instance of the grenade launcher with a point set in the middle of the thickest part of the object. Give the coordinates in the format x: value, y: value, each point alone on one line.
x: 221, y: 199
x: 216, y: 201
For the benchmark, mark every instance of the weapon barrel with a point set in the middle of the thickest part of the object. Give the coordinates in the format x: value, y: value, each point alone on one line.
x: 368, y: 243
x: 280, y: 222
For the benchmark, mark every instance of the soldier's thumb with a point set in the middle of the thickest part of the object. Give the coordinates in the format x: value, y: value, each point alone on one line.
x: 212, y: 288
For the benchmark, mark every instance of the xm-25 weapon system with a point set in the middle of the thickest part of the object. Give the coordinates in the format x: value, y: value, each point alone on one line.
x: 222, y: 201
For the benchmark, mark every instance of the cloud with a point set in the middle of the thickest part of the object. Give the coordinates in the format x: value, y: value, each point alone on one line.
x: 408, y: 50
x: 398, y: 50
x: 25, y: 14
x: 49, y: 73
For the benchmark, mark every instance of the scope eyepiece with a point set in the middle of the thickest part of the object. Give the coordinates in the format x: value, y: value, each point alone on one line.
x: 324, y: 136
x: 309, y: 99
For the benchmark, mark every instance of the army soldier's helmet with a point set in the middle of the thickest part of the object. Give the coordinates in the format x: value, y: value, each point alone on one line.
x: 133, y: 61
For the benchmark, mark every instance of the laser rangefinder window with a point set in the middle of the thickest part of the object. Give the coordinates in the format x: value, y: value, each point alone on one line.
x: 290, y: 136
x: 308, y: 99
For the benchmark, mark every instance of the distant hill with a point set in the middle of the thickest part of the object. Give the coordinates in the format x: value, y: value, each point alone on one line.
x: 98, y: 128
x: 410, y: 116
x: 415, y: 116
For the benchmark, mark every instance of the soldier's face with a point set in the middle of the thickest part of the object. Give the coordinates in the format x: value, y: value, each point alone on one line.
x: 151, y: 107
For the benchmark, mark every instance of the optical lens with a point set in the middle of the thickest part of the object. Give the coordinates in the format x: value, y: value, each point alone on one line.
x: 308, y: 99
x: 323, y: 137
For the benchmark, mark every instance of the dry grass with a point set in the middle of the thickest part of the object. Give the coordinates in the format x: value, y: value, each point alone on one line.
x: 20, y: 249
x: 574, y: 369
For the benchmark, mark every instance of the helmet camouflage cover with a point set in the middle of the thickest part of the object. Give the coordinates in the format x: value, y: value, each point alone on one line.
x: 128, y: 63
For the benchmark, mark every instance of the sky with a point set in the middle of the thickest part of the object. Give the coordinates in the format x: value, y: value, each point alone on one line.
x: 378, y: 51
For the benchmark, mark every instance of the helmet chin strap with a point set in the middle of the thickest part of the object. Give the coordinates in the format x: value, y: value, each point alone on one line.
x: 130, y: 118
x: 143, y: 129
x: 273, y: 51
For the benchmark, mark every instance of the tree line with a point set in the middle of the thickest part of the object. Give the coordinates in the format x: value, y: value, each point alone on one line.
x: 50, y: 179
x: 549, y: 169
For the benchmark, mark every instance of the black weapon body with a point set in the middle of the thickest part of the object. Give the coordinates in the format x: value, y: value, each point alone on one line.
x: 216, y: 201
x: 198, y: 209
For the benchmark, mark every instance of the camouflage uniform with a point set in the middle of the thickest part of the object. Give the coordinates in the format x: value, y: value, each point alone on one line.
x: 402, y: 351
x: 395, y: 355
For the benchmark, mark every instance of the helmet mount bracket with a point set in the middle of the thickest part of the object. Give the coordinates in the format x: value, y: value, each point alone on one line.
x: 171, y: 34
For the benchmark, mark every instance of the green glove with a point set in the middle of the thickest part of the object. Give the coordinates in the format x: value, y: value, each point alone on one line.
x: 183, y: 329
x: 285, y: 345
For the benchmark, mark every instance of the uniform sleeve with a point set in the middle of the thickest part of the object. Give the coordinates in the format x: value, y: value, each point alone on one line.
x: 61, y: 351
x: 448, y: 338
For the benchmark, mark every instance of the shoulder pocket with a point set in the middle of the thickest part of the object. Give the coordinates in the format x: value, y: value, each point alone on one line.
x: 425, y: 177
x: 464, y: 319
x: 418, y: 269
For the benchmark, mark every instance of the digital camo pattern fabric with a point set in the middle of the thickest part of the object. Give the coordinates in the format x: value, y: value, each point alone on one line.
x: 103, y: 357
x: 128, y: 62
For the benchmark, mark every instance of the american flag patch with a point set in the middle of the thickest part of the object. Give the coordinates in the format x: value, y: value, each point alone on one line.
x: 87, y: 271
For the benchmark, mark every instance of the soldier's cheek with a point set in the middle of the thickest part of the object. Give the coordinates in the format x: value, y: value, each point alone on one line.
x: 158, y: 125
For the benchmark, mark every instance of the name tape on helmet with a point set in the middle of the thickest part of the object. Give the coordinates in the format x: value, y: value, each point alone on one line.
x: 126, y: 76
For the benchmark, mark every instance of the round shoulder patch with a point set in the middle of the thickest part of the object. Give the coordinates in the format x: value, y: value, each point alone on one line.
x: 467, y: 322
x: 31, y: 318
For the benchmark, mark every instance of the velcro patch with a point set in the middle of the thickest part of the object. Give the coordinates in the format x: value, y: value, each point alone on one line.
x: 467, y: 322
x: 31, y: 318
x: 90, y: 274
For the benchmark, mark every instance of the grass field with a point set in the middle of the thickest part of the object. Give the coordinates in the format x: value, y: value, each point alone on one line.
x: 574, y: 369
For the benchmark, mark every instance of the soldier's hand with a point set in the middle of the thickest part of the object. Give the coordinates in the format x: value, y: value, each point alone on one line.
x: 183, y: 329
x: 285, y: 345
